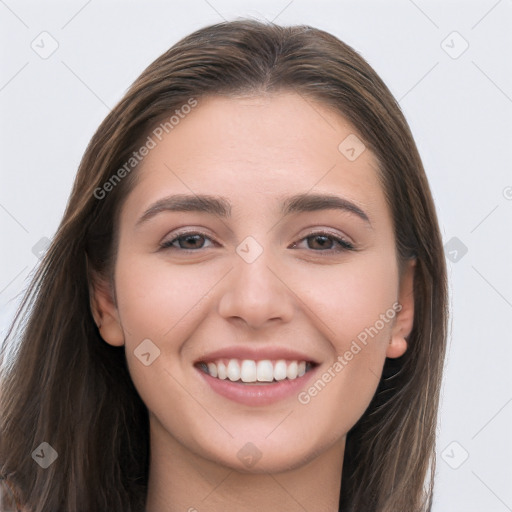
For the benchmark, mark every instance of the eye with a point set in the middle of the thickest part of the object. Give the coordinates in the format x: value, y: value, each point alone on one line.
x: 187, y: 241
x: 319, y: 241
x: 322, y: 241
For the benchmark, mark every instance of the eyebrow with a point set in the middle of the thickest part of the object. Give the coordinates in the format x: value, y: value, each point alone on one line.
x: 221, y: 207
x: 214, y: 205
x: 316, y: 202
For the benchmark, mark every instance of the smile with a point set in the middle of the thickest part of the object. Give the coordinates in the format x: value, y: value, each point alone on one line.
x: 250, y: 371
x: 256, y: 382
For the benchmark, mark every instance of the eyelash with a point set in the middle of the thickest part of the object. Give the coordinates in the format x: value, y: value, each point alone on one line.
x: 344, y: 245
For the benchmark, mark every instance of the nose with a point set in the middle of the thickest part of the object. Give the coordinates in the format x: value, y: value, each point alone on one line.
x: 256, y: 294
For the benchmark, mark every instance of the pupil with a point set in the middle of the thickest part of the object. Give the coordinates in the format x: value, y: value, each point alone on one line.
x: 322, y: 240
x: 192, y: 239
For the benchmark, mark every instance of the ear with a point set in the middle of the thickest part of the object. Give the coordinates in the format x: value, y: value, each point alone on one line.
x: 104, y: 311
x: 405, y: 312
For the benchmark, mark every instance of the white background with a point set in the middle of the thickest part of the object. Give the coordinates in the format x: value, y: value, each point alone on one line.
x: 459, y: 110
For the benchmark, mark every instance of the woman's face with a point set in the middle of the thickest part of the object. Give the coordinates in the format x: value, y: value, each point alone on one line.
x: 233, y: 262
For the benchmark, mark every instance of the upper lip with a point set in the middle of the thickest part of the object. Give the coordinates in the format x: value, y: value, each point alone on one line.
x: 255, y: 354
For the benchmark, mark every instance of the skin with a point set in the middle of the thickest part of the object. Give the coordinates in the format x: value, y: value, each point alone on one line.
x: 254, y: 151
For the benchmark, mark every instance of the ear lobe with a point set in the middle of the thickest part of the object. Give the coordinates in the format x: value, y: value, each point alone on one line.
x: 405, y: 313
x: 104, y: 312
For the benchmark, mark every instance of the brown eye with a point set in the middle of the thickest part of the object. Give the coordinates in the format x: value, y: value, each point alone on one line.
x: 320, y: 242
x: 326, y: 242
x: 187, y: 241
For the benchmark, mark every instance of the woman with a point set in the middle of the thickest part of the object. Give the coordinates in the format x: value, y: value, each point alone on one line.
x: 244, y: 307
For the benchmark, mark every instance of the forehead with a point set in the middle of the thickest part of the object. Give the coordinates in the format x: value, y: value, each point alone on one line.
x: 265, y: 146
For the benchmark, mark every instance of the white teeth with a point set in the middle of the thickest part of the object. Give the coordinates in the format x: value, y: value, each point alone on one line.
x: 291, y: 371
x: 233, y: 370
x: 212, y: 369
x: 265, y: 371
x: 249, y: 370
x: 221, y: 370
x: 280, y: 370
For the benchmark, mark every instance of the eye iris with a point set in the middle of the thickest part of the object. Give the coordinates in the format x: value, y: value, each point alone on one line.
x: 190, y: 238
x: 323, y: 240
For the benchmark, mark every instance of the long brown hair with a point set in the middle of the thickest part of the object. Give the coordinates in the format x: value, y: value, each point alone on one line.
x: 67, y: 387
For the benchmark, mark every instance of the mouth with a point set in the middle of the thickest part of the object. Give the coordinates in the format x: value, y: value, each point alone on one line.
x: 256, y: 382
x: 256, y: 372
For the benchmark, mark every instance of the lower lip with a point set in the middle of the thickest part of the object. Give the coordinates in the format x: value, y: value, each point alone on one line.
x: 258, y: 394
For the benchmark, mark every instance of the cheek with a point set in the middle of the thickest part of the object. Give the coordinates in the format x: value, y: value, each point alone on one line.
x: 351, y: 299
x: 164, y: 304
x: 357, y: 313
x: 155, y: 299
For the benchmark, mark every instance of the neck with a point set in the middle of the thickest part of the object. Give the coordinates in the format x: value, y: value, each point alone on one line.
x: 181, y: 480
